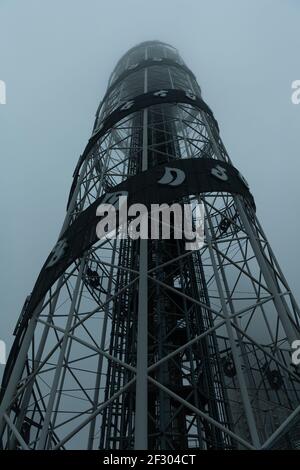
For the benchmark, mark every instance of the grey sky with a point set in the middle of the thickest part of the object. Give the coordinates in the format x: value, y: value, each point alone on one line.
x: 56, y: 57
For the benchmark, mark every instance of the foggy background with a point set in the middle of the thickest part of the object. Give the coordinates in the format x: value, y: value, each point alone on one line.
x: 56, y: 57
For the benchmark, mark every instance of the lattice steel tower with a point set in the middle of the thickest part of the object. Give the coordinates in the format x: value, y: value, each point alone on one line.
x: 141, y: 343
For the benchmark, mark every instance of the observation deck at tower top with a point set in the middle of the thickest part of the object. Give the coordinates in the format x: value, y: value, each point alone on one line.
x: 147, y: 49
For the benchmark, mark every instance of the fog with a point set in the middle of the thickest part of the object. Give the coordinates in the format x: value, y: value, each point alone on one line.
x: 56, y: 58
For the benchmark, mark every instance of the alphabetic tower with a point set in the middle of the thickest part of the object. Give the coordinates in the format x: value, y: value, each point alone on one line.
x: 141, y: 343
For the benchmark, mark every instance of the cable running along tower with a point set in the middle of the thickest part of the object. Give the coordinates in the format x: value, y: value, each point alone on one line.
x: 135, y: 344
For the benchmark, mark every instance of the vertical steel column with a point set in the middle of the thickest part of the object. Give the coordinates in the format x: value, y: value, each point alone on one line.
x: 141, y: 409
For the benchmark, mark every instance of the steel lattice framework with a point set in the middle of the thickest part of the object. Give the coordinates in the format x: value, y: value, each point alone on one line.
x: 141, y: 343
